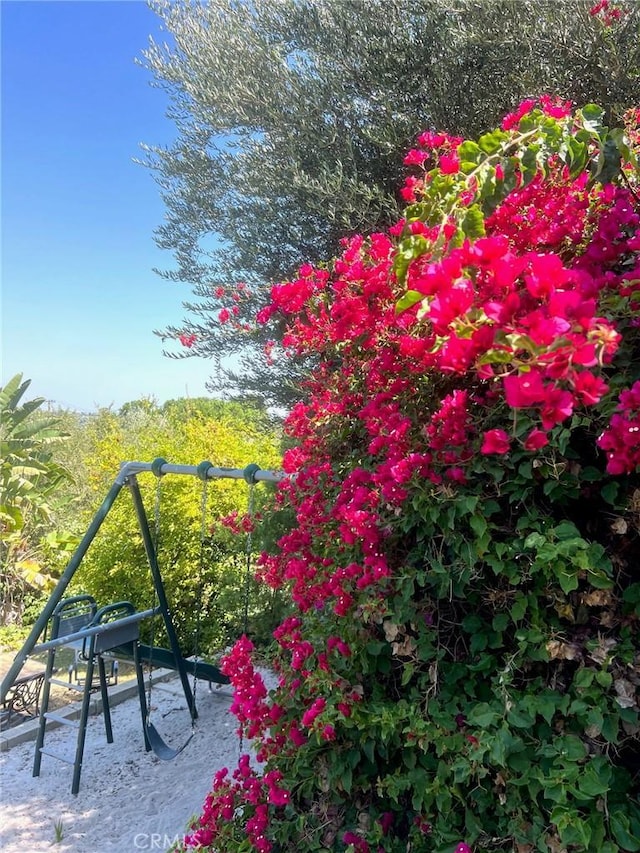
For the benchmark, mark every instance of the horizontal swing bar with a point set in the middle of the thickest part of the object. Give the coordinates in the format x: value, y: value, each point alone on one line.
x: 103, y: 628
x: 212, y: 473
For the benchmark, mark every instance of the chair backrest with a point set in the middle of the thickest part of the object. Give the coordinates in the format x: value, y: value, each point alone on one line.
x: 117, y: 635
x: 73, y: 614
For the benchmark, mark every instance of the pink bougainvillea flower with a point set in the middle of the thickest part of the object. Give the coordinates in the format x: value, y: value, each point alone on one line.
x: 536, y: 440
x: 415, y: 157
x: 358, y: 843
x: 265, y: 314
x: 429, y: 139
x: 524, y: 389
x: 558, y: 406
x: 512, y: 120
x: 607, y: 13
x: 495, y: 441
x: 309, y: 716
x: 589, y: 388
x: 555, y: 107
x: 545, y: 274
x: 408, y: 191
x: 386, y: 822
x: 449, y: 164
x: 463, y: 847
x: 621, y: 439
x: 296, y: 736
x: 423, y: 825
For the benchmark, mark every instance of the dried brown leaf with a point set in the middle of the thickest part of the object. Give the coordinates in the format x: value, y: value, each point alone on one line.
x: 608, y: 619
x: 597, y: 598
x: 631, y: 729
x: 620, y: 526
x: 562, y: 651
x: 405, y: 649
x: 391, y: 630
x: 554, y: 844
x: 602, y: 652
x: 627, y: 694
x: 565, y: 611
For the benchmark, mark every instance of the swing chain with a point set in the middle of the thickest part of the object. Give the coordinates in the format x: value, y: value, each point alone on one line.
x: 250, y: 478
x: 248, y: 556
x: 201, y: 584
x: 154, y: 594
x: 152, y: 737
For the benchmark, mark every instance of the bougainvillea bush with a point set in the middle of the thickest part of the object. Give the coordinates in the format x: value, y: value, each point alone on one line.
x: 460, y: 671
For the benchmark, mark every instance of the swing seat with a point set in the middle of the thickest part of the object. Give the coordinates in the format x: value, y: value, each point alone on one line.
x: 160, y: 748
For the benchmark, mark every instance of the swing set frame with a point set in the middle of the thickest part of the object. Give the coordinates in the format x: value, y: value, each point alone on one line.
x: 127, y: 476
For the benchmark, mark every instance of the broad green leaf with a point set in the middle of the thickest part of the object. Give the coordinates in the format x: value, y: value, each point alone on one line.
x: 610, y: 492
x: 607, y: 166
x: 572, y: 831
x: 566, y: 530
x: 595, y: 780
x: 592, y: 118
x: 482, y: 715
x: 478, y: 525
x: 491, y: 143
x: 408, y: 300
x: 519, y: 608
x: 473, y: 222
x: 534, y: 540
x: 622, y: 832
x: 469, y: 150
x: 568, y: 581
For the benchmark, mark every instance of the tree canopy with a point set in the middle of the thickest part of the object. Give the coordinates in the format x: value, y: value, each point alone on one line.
x: 292, y: 122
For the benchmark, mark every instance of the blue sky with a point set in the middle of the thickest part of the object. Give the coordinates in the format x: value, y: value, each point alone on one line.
x: 80, y: 299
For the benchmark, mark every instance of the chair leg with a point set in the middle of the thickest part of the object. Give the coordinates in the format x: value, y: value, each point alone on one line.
x: 106, y: 710
x: 44, y: 707
x: 84, y: 718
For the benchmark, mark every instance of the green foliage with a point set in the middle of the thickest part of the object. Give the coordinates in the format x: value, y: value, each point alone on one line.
x: 514, y: 592
x: 203, y: 564
x: 12, y: 637
x: 293, y: 118
x: 30, y: 477
x: 460, y: 671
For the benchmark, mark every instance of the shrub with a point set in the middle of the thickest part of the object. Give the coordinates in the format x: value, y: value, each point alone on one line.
x: 203, y: 567
x: 461, y: 668
x: 31, y: 479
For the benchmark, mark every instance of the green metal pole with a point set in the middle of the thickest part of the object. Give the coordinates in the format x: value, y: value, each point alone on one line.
x: 58, y: 592
x: 143, y: 522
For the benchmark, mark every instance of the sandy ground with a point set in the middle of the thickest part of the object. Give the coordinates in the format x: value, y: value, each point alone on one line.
x: 129, y: 800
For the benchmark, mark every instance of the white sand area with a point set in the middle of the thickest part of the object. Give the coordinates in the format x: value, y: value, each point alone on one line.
x: 129, y: 800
